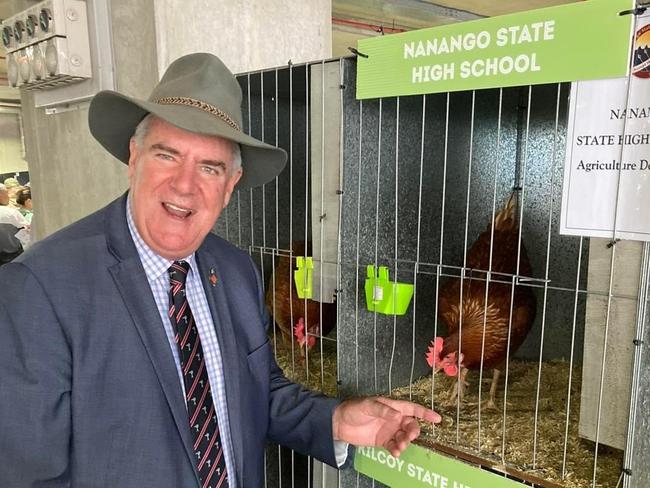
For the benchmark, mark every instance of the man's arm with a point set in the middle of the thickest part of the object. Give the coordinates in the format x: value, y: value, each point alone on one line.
x: 35, y: 385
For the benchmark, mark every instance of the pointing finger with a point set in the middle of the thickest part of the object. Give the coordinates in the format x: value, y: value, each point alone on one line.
x: 412, y: 410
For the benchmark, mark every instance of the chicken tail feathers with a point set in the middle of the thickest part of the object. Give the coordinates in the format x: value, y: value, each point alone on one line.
x: 506, y: 218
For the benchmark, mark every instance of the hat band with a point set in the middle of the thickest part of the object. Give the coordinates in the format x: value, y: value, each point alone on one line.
x: 192, y: 102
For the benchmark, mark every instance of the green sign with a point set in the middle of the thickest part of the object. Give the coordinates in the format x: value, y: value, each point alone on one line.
x: 578, y: 41
x: 420, y: 468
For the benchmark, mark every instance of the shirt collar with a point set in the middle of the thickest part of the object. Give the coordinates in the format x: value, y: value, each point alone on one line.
x: 154, y: 264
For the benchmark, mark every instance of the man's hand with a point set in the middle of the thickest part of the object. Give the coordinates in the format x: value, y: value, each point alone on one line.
x: 380, y: 422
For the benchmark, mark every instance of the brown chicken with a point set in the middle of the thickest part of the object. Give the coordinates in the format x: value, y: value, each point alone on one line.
x: 292, y: 313
x: 445, y: 353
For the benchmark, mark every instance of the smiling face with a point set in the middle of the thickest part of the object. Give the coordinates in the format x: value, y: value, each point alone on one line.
x: 179, y: 182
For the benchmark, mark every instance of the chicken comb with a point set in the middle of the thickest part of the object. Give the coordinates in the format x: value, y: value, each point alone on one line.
x: 433, y: 352
x: 299, y: 329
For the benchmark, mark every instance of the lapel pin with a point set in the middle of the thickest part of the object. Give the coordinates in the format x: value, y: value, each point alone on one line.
x: 213, y: 277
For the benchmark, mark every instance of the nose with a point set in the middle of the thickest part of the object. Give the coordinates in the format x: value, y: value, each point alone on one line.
x: 183, y: 179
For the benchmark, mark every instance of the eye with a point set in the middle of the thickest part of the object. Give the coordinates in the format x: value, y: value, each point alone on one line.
x: 212, y: 169
x: 165, y: 156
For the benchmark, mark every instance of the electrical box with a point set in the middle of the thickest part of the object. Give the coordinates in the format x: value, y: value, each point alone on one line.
x: 48, y: 45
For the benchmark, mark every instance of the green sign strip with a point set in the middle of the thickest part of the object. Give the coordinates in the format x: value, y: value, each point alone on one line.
x: 421, y: 468
x: 577, y: 41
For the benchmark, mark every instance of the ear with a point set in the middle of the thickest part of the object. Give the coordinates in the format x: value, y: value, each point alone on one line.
x: 230, y: 186
x: 133, y: 156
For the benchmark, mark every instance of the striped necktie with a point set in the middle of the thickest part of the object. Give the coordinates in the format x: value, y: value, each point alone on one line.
x: 209, y: 459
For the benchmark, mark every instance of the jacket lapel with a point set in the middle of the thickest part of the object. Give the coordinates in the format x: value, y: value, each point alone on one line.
x: 132, y: 283
x: 226, y: 336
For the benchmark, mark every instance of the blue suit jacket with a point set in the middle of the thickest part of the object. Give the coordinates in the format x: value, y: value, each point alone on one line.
x: 89, y: 394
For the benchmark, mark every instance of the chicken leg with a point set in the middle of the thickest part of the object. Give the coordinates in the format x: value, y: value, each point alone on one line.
x: 458, y: 388
x: 490, y: 404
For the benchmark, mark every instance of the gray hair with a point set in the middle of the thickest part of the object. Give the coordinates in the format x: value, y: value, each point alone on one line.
x: 142, y: 129
x: 2, y: 187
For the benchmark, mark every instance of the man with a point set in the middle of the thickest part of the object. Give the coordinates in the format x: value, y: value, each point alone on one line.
x: 8, y: 214
x: 11, y: 222
x: 12, y: 185
x: 134, y: 350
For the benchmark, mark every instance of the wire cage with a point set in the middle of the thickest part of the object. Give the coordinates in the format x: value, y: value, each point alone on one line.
x: 457, y: 197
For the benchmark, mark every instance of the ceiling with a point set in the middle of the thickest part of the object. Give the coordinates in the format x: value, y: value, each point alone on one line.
x: 355, y: 19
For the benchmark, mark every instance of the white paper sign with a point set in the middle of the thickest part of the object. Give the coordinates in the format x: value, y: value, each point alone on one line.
x: 606, y: 189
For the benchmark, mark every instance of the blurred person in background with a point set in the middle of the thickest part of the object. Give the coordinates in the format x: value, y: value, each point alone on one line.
x: 24, y: 201
x: 14, y: 229
x: 13, y: 186
x: 8, y: 214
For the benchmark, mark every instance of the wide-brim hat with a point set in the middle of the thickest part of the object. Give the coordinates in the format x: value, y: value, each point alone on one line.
x: 197, y: 93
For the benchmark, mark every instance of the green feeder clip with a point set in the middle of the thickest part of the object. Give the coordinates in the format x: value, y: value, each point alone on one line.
x: 302, y: 277
x: 385, y: 296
